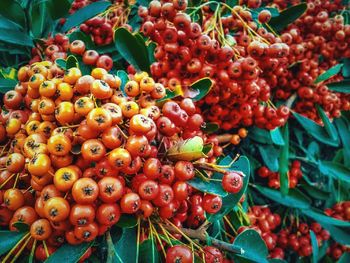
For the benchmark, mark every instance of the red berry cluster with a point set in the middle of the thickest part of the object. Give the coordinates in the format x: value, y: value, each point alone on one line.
x: 265, y: 222
x: 185, y: 54
x: 339, y: 211
x: 316, y: 34
x: 294, y: 175
x: 52, y: 49
x: 337, y: 250
x: 78, y: 4
x: 297, y: 237
x: 101, y: 28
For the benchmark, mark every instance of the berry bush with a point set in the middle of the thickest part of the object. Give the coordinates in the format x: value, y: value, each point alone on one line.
x: 175, y: 131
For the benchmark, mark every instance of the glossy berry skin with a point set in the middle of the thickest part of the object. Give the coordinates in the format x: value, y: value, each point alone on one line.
x: 179, y: 253
x: 232, y: 182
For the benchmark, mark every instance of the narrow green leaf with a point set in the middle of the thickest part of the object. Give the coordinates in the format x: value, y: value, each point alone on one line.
x: 132, y: 49
x: 315, y: 130
x: 283, y: 162
x: 15, y: 37
x: 21, y: 227
x: 319, y: 216
x: 336, y: 170
x: 344, y: 134
x: 150, y: 50
x: 315, y: 192
x: 12, y: 10
x: 124, y: 249
x: 260, y: 135
x: 270, y: 154
x: 257, y: 252
x: 58, y: 8
x: 8, y: 239
x: 287, y: 16
x: 329, y: 73
x: 331, y: 130
x: 341, y: 86
x: 199, y: 89
x: 276, y: 137
x: 6, y: 23
x: 295, y: 198
x: 314, y: 244
x: 68, y: 253
x: 345, y: 258
x: 149, y: 252
x: 7, y: 84
x: 84, y: 14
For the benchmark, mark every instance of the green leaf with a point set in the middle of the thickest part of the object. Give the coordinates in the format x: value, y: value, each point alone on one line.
x: 149, y: 252
x: 21, y: 227
x: 199, y: 89
x: 283, y: 162
x: 314, y: 244
x: 39, y: 18
x: 345, y: 258
x: 58, y: 8
x: 276, y: 137
x: 295, y: 198
x: 61, y: 63
x: 8, y: 239
x: 331, y: 130
x: 12, y: 10
x: 231, y: 200
x: 127, y: 221
x: 132, y: 49
x: 270, y: 154
x: 336, y: 170
x: 341, y: 86
x: 187, y: 150
x: 315, y: 130
x: 346, y: 68
x: 254, y: 247
x: 71, y: 62
x: 211, y: 187
x: 9, y: 24
x: 329, y: 73
x: 320, y: 217
x: 344, y: 134
x: 69, y: 253
x: 122, y: 250
x: 315, y: 192
x: 15, y: 37
x: 210, y: 127
x: 7, y: 84
x: 124, y: 77
x: 84, y: 14
x: 287, y: 16
x: 150, y: 50
x: 260, y: 135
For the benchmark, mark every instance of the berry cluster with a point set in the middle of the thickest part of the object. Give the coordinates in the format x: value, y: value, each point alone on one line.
x: 52, y: 49
x: 83, y: 150
x: 337, y: 250
x: 294, y: 175
x: 316, y: 34
x: 297, y: 237
x: 188, y: 51
x: 101, y: 28
x: 339, y: 211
